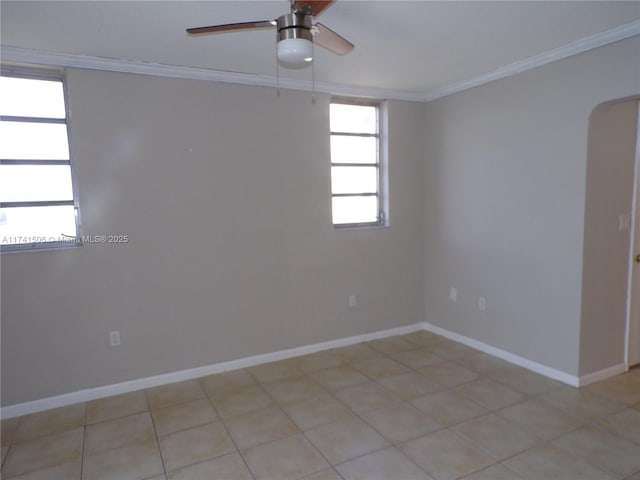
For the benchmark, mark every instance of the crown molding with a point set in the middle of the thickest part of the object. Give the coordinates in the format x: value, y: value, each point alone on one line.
x: 43, y: 57
x: 574, y: 48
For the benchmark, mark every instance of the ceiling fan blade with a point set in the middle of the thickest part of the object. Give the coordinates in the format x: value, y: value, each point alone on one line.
x: 228, y: 27
x: 317, y: 6
x: 327, y: 38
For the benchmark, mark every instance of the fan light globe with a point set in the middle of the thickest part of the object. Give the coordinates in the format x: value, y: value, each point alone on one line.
x: 295, y: 52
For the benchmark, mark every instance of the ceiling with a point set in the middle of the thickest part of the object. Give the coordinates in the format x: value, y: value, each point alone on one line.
x: 413, y: 47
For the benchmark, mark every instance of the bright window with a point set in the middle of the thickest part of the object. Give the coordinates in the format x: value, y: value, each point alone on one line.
x: 37, y: 205
x: 355, y: 164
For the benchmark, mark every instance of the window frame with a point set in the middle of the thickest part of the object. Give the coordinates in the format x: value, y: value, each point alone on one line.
x: 53, y: 75
x: 379, y: 164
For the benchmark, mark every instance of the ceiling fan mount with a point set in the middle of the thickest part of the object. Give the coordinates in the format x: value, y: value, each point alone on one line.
x: 296, y: 33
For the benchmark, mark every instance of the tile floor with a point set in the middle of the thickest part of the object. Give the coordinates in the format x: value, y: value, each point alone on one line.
x: 416, y: 406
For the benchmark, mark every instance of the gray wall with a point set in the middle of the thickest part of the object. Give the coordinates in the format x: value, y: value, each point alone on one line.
x: 223, y: 191
x: 505, y: 178
x: 609, y: 193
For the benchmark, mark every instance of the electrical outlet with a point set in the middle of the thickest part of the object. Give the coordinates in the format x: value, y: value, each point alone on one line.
x: 352, y: 301
x: 114, y: 337
x: 482, y: 303
x: 453, y: 294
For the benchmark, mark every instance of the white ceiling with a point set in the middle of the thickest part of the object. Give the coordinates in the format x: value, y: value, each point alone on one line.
x: 403, y: 46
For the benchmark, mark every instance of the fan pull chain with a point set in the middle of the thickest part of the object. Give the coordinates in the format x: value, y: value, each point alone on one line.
x: 313, y: 76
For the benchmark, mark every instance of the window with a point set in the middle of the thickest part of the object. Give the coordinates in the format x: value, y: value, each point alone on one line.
x: 37, y: 207
x: 356, y: 197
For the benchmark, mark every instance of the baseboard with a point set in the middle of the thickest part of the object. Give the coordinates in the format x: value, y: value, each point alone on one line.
x: 536, y: 367
x: 602, y: 374
x: 157, y: 380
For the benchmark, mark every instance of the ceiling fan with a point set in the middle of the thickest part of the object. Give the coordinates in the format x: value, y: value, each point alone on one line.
x: 296, y: 33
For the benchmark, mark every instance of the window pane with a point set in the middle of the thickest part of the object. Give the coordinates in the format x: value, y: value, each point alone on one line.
x: 42, y: 141
x: 36, y: 224
x: 25, y: 97
x: 355, y: 209
x: 354, y: 180
x: 354, y: 149
x: 353, y: 118
x: 23, y: 183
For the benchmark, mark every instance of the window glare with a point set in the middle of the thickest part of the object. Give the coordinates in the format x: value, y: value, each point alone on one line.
x: 354, y: 180
x: 31, y: 98
x: 348, y: 149
x: 353, y: 118
x: 348, y: 210
x: 22, y: 183
x: 41, y: 224
x: 28, y: 141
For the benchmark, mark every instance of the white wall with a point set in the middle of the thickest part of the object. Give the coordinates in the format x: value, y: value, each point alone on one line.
x: 505, y: 203
x: 223, y: 191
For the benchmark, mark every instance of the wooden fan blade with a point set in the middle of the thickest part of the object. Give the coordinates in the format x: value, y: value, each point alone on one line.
x: 317, y: 5
x: 228, y: 27
x: 327, y: 38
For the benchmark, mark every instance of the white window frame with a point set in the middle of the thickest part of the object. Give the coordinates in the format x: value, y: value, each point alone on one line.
x: 54, y: 76
x: 380, y: 163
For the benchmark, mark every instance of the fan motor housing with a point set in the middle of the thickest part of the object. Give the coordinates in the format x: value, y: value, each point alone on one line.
x: 294, y: 25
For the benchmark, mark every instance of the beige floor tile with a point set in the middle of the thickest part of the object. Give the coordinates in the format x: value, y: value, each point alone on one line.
x: 549, y: 462
x: 401, y: 422
x: 116, y: 433
x: 43, y: 452
x: 319, y: 361
x: 579, y: 403
x: 226, y: 467
x: 382, y: 367
x: 496, y: 436
x: 537, y: 418
x: 8, y: 428
x: 65, y: 471
x: 452, y: 350
x: 383, y: 465
x: 293, y: 389
x: 486, y: 365
x: 239, y: 400
x: 344, y: 440
x: 489, y: 394
x: 391, y: 345
x: 328, y: 474
x: 50, y: 422
x: 356, y: 353
x: 410, y: 385
x: 166, y: 395
x: 260, y: 427
x: 314, y: 411
x: 183, y: 415
x: 284, y: 459
x: 223, y: 381
x: 527, y: 382
x: 448, y: 374
x: 272, y: 372
x: 135, y: 461
x: 195, y: 445
x: 423, y: 338
x: 335, y: 378
x: 366, y: 396
x: 625, y: 424
x: 614, y: 455
x: 448, y: 408
x: 624, y: 388
x: 445, y: 455
x: 416, y: 358
x: 117, y: 406
x: 494, y: 472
